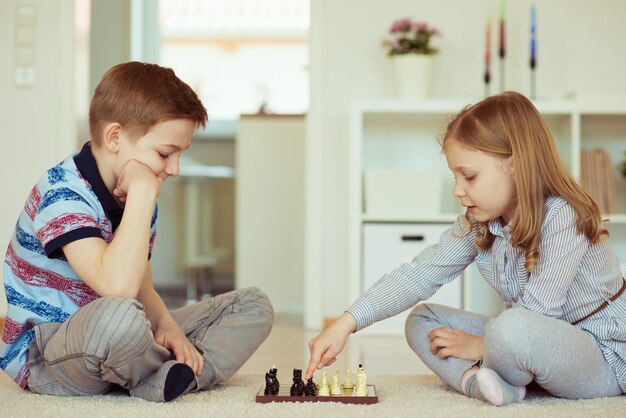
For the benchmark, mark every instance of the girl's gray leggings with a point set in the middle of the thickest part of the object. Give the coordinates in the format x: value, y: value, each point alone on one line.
x: 521, y: 346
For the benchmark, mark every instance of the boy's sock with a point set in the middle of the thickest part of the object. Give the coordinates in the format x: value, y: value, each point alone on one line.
x: 486, y: 385
x: 168, y: 383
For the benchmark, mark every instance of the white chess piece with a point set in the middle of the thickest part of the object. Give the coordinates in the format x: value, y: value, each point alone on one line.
x: 364, y: 376
x: 361, y: 387
x: 323, y: 389
x: 335, y: 388
x: 348, y: 385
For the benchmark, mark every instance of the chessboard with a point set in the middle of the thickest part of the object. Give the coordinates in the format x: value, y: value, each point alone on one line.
x: 285, y: 396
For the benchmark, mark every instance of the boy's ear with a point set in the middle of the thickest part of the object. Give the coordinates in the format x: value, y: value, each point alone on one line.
x: 111, y: 135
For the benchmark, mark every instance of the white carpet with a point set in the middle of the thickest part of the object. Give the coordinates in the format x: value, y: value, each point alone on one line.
x: 423, y: 396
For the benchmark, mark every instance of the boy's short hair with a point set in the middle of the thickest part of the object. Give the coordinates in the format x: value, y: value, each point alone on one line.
x: 138, y: 96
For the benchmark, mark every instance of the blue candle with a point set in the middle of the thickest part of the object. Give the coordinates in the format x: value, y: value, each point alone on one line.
x: 533, y: 38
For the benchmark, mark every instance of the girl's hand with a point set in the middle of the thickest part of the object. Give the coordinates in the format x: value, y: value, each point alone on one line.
x: 448, y: 342
x: 325, y: 347
x: 172, y: 337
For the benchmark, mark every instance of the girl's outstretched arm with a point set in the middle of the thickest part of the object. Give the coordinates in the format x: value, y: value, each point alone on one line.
x: 325, y: 347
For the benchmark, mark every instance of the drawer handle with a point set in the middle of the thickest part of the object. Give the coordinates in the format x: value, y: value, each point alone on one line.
x: 412, y: 237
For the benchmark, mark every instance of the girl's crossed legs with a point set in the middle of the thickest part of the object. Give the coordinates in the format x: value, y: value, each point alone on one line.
x: 520, y: 346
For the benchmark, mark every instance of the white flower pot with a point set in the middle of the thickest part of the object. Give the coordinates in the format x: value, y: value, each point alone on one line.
x: 413, y: 75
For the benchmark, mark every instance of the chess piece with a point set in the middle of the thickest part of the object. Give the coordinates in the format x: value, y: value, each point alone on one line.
x: 348, y: 386
x: 276, y: 382
x: 272, y: 386
x: 361, y: 387
x: 310, y: 389
x: 323, y: 389
x: 361, y: 381
x: 297, y: 388
x: 361, y: 371
x: 335, y: 387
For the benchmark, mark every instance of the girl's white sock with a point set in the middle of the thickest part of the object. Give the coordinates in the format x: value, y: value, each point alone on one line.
x: 496, y: 390
x: 486, y: 385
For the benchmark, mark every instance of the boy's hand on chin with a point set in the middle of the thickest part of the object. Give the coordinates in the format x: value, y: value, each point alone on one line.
x: 121, y: 196
x: 134, y: 173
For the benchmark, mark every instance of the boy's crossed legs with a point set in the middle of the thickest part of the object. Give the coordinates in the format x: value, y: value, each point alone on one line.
x: 110, y: 341
x: 227, y: 329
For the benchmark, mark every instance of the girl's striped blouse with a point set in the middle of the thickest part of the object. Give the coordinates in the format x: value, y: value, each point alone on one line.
x: 571, y: 279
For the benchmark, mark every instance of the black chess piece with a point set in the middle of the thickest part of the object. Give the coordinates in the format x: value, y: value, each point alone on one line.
x: 272, y: 386
x: 276, y: 382
x: 297, y: 388
x: 310, y: 389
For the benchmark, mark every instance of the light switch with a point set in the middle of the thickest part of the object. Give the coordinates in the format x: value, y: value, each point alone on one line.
x: 25, y: 45
x: 24, y: 75
x: 25, y: 14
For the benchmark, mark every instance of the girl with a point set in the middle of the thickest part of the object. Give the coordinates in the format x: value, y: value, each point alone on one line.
x: 538, y: 239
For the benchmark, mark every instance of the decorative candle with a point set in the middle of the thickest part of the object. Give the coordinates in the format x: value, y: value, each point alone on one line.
x: 488, y: 53
x: 502, y: 48
x: 533, y: 38
x: 533, y: 51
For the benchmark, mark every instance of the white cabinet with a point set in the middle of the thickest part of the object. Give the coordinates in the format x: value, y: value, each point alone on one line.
x: 401, y: 136
x: 387, y: 246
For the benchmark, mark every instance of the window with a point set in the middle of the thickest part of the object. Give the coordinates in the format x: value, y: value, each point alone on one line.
x: 240, y: 56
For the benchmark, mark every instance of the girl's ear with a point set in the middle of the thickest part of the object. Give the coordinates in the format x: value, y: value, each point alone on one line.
x: 111, y: 135
x: 509, y: 166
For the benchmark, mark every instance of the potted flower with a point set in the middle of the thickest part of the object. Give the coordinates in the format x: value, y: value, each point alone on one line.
x: 409, y: 46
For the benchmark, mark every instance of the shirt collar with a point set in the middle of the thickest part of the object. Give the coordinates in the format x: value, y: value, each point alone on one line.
x: 496, y: 227
x: 88, y: 168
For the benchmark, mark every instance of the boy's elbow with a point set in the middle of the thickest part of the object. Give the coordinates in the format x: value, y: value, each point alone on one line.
x: 126, y: 293
x: 122, y: 289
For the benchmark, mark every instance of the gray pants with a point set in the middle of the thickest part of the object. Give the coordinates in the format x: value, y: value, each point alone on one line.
x: 521, y: 346
x: 109, y: 341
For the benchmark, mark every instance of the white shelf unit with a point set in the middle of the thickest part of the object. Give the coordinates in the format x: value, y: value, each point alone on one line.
x: 403, y: 134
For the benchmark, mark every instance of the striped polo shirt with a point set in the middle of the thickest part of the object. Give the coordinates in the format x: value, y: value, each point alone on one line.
x: 70, y: 202
x: 571, y: 279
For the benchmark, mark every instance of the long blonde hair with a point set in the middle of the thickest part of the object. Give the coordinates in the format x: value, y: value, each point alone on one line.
x: 508, y: 125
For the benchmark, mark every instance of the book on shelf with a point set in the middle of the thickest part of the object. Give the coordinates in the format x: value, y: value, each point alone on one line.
x: 596, y: 178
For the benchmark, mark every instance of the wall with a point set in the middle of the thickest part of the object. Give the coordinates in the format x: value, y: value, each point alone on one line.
x: 348, y: 63
x: 110, y: 37
x: 38, y: 122
x: 270, y: 208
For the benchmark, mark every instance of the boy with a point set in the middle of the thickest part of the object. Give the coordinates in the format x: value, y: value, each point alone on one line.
x: 83, y: 314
